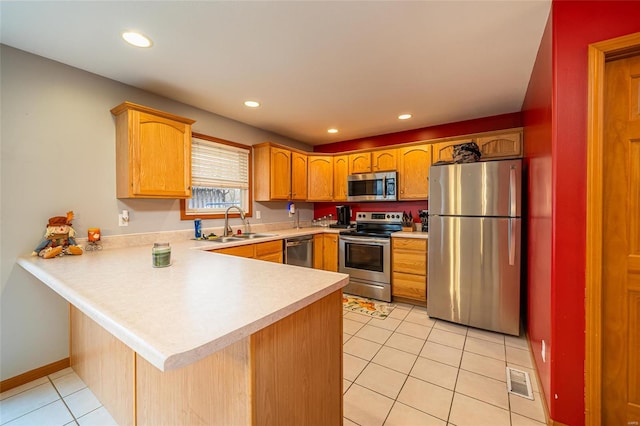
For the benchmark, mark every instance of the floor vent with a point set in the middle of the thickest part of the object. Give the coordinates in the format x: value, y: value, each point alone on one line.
x: 518, y: 383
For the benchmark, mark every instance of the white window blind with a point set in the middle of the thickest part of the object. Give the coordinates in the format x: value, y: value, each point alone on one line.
x: 215, y: 165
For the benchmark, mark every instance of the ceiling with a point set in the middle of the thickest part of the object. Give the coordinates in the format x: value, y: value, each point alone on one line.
x: 313, y: 65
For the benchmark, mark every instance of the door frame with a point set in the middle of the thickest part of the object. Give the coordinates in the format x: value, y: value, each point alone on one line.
x: 599, y: 53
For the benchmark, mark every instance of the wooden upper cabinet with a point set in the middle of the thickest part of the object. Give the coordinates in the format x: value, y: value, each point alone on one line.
x: 372, y: 161
x: 278, y: 173
x: 492, y: 146
x: 280, y: 176
x: 383, y: 160
x: 360, y: 162
x: 340, y: 173
x: 443, y: 151
x: 153, y: 153
x: 298, y: 176
x: 320, y: 178
x: 507, y: 145
x: 413, y: 172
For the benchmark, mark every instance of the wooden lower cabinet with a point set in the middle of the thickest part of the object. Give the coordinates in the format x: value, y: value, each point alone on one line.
x: 289, y: 373
x: 325, y: 252
x: 270, y: 251
x: 409, y: 269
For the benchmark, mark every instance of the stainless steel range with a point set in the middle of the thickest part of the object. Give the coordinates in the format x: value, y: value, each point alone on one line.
x: 365, y: 254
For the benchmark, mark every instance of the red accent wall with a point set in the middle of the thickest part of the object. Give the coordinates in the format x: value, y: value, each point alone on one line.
x: 323, y: 209
x: 574, y: 25
x: 537, y: 116
x: 485, y: 124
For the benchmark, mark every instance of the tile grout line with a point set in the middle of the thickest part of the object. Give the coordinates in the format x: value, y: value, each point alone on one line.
x: 62, y: 399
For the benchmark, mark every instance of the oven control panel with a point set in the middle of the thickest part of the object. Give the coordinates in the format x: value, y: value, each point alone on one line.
x: 379, y: 217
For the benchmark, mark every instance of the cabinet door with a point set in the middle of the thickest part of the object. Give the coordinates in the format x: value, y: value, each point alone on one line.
x: 410, y: 261
x: 508, y: 145
x: 153, y: 153
x: 360, y: 162
x: 318, y: 251
x: 443, y: 151
x: 409, y: 266
x: 413, y: 172
x: 340, y: 173
x: 325, y: 252
x: 280, y: 174
x: 270, y: 251
x: 320, y: 179
x: 298, y: 176
x: 330, y: 252
x: 383, y: 160
x: 410, y: 286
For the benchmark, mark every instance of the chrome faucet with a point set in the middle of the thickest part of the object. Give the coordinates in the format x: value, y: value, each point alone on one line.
x: 227, y: 229
x: 296, y: 220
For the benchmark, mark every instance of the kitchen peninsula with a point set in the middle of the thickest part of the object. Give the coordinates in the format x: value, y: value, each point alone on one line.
x: 212, y: 339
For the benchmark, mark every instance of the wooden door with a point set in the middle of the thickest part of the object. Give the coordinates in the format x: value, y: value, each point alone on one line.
x: 413, y: 172
x: 298, y: 176
x: 383, y: 160
x: 320, y: 179
x: 621, y: 247
x: 340, y: 173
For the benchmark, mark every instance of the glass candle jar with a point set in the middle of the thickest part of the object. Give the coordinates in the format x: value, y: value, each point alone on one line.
x: 161, y: 255
x: 93, y: 234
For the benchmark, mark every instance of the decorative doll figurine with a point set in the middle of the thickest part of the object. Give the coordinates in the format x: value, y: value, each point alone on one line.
x: 58, y: 239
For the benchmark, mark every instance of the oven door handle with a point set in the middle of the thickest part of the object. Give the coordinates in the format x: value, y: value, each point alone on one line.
x: 365, y: 240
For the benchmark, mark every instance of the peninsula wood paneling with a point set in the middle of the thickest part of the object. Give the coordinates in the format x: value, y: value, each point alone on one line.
x: 214, y: 391
x: 105, y: 365
x: 298, y: 367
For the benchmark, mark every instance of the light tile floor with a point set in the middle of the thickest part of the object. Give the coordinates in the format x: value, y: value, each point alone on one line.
x: 409, y: 369
x: 405, y: 370
x: 58, y: 399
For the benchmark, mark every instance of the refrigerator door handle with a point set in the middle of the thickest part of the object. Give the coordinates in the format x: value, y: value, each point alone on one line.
x: 512, y: 242
x: 512, y: 192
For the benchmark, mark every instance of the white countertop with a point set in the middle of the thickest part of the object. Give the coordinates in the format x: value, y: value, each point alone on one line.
x: 403, y: 234
x: 177, y: 315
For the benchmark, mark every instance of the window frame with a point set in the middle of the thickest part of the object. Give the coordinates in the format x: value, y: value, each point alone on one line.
x: 249, y: 213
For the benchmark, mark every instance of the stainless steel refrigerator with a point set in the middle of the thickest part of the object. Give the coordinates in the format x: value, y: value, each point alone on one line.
x: 475, y: 227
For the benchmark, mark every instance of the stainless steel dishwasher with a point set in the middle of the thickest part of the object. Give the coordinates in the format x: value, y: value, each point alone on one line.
x: 299, y: 251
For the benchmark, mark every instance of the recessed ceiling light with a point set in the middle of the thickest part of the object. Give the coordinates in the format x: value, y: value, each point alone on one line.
x: 332, y: 131
x: 136, y: 39
x: 404, y: 116
x: 252, y: 104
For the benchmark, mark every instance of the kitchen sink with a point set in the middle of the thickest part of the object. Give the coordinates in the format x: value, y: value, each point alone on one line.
x: 238, y: 237
x: 224, y: 239
x: 253, y: 235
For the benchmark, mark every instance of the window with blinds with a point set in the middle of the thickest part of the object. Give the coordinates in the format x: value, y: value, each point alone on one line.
x: 220, y: 177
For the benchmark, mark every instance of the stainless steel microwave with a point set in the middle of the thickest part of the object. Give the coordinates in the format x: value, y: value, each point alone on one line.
x: 372, y: 186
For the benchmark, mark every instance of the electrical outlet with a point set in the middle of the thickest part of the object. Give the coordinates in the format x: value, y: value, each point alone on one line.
x: 257, y: 214
x: 122, y: 221
x: 544, y: 351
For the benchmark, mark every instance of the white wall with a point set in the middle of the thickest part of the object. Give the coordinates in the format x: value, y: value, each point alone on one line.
x: 58, y: 154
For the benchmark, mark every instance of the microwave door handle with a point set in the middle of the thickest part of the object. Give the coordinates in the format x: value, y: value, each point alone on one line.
x: 384, y: 187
